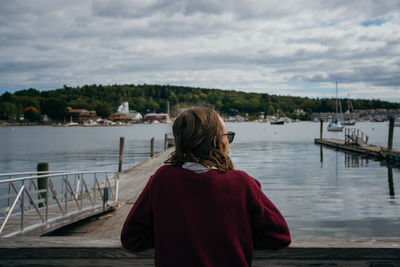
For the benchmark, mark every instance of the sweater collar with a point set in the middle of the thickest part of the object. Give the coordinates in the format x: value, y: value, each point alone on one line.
x: 195, y: 167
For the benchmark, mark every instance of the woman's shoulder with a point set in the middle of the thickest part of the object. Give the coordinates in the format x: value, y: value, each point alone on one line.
x: 166, y: 168
x: 242, y: 176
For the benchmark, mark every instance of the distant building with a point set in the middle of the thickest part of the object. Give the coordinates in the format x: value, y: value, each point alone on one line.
x: 117, y: 117
x: 44, y: 118
x: 126, y: 117
x: 160, y: 117
x: 81, y: 115
x: 123, y: 114
x: 134, y: 116
x: 123, y: 108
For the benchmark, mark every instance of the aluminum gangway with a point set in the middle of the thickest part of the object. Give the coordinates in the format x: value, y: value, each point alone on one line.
x: 36, y: 203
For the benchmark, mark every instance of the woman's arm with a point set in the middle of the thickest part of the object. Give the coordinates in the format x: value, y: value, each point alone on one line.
x: 269, y: 227
x: 138, y: 233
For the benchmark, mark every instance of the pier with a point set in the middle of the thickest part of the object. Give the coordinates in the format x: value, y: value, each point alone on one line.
x: 131, y: 183
x: 39, y: 203
x: 356, y: 141
x: 95, y: 240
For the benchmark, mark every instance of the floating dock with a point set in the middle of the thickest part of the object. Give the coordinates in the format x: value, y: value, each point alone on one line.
x: 367, y: 150
x: 357, y: 142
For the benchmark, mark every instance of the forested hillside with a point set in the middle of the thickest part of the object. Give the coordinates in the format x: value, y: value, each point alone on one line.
x: 150, y: 98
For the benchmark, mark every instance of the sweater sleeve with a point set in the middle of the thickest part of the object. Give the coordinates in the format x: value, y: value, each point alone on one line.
x: 137, y: 232
x: 270, y: 230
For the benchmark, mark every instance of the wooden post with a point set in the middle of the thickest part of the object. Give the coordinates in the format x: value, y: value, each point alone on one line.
x: 121, y: 153
x: 42, y: 182
x: 391, y: 128
x: 152, y: 147
x: 321, y: 128
x: 165, y: 142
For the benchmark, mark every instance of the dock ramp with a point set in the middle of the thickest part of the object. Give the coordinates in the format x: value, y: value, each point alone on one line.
x: 33, y: 204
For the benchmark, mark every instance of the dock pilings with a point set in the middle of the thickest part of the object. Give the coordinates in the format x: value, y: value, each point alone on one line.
x: 152, y: 147
x: 121, y: 153
x: 321, y: 129
x: 391, y: 129
x: 121, y: 149
x: 165, y: 142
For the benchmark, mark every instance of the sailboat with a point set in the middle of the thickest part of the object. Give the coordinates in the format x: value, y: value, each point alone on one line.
x: 335, y: 125
x: 349, y: 118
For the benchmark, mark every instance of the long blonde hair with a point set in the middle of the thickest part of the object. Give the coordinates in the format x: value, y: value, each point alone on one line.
x: 194, y: 131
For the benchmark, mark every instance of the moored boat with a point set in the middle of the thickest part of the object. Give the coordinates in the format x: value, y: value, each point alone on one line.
x: 335, y: 126
x: 277, y: 122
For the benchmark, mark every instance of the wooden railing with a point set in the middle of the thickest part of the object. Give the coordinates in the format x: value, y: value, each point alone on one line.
x: 84, y: 251
x: 353, y: 136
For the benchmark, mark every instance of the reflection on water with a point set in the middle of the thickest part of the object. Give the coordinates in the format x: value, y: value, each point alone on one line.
x: 390, y: 181
x: 354, y: 160
x: 320, y: 191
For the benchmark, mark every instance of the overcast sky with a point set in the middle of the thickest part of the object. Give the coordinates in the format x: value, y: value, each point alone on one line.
x: 279, y: 47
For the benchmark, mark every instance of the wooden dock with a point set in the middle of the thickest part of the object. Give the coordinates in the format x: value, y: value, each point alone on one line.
x: 357, y: 142
x: 131, y: 183
x: 90, y: 251
x: 366, y: 150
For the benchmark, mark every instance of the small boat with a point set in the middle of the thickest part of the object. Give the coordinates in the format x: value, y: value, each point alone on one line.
x: 349, y: 122
x: 69, y: 124
x: 335, y: 126
x: 349, y: 114
x: 277, y: 122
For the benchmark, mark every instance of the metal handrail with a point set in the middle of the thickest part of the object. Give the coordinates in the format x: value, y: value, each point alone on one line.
x: 25, y: 173
x: 50, y: 175
x: 72, y: 187
x: 12, y: 207
x: 353, y: 135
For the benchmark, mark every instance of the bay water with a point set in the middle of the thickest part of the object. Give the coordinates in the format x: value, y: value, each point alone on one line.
x: 319, y: 190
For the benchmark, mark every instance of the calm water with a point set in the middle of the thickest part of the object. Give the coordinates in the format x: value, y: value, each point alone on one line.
x: 320, y: 191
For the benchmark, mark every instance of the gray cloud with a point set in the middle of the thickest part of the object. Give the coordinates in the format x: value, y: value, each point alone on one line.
x: 273, y: 46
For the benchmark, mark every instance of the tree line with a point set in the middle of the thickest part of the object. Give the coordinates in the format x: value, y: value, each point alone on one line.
x: 155, y: 98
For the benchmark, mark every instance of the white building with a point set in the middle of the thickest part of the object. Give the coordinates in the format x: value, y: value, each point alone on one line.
x: 123, y: 108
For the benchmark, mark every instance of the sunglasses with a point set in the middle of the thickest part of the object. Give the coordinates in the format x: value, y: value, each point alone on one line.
x: 230, y: 135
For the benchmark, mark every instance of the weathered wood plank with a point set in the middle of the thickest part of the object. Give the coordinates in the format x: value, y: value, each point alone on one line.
x: 86, y: 251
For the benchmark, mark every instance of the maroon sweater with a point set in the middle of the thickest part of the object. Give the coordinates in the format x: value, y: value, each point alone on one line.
x: 207, y: 219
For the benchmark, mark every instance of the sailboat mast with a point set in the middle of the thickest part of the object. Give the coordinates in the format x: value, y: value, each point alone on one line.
x: 336, y: 100
x: 348, y: 102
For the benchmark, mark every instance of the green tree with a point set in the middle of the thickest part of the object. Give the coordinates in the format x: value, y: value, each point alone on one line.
x: 31, y: 114
x: 55, y: 108
x: 8, y: 111
x: 103, y: 110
